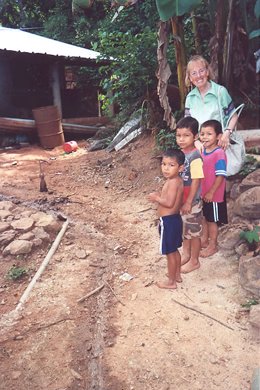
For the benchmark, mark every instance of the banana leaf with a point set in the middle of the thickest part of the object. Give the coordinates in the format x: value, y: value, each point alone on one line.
x: 82, y: 3
x: 169, y: 8
x: 250, y: 12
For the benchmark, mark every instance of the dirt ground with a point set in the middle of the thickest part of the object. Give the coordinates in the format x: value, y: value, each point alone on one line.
x: 129, y: 335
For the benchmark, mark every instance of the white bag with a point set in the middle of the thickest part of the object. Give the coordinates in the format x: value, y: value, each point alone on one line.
x: 236, y: 152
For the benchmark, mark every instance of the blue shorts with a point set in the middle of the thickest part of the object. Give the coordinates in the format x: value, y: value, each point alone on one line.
x: 170, y: 229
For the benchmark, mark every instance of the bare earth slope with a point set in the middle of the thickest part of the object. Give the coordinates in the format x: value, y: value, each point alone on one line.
x: 129, y: 335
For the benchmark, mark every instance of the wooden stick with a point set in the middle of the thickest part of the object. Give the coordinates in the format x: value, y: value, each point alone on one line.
x: 142, y: 211
x: 44, y: 264
x: 200, y: 312
x: 108, y: 285
x: 91, y: 293
x: 44, y: 326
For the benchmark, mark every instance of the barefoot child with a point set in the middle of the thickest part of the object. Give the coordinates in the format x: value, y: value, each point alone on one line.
x: 213, y: 186
x: 169, y: 204
x: 191, y: 210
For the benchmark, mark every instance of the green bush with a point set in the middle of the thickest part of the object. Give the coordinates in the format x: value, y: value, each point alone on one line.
x: 15, y: 273
x: 166, y: 139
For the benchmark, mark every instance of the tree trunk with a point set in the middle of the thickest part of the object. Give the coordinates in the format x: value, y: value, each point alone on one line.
x: 227, y: 55
x: 180, y: 55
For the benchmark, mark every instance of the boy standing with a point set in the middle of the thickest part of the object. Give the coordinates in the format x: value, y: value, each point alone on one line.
x: 191, y: 210
x: 213, y: 186
x: 169, y: 204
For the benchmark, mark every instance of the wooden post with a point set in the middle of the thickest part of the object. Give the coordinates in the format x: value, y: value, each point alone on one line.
x: 55, y: 84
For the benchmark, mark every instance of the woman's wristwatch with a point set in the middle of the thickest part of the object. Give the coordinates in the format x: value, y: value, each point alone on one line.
x: 229, y: 130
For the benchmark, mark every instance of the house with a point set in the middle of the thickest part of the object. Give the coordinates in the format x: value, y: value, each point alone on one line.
x: 36, y: 71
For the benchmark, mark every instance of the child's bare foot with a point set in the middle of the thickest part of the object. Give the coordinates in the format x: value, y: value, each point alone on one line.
x: 186, y: 268
x: 178, y: 279
x: 208, y: 251
x: 184, y: 259
x: 204, y: 244
x: 167, y: 285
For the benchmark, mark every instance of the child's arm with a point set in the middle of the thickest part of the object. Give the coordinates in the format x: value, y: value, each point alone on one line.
x: 153, y: 196
x: 186, y: 208
x: 209, y: 195
x: 168, y: 197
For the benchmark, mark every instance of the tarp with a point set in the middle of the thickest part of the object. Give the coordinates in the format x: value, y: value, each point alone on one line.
x: 169, y: 8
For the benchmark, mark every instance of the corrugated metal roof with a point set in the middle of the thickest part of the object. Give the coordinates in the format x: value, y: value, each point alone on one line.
x: 24, y: 42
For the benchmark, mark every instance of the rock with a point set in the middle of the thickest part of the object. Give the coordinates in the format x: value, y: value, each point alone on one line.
x: 229, y: 240
x: 41, y: 234
x: 4, y: 226
x: 248, y: 204
x: 6, y: 237
x: 249, y: 274
x: 106, y: 161
x: 241, y: 248
x: 45, y: 221
x: 251, y: 181
x: 27, y: 236
x: 80, y: 254
x: 6, y: 205
x: 18, y: 247
x: 24, y: 224
x: 4, y: 214
x: 254, y: 316
x: 37, y: 242
x: 235, y: 191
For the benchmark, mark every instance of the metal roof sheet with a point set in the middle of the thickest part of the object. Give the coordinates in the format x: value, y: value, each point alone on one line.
x: 24, y: 42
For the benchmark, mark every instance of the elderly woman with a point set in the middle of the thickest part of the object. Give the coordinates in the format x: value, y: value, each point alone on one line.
x: 208, y: 100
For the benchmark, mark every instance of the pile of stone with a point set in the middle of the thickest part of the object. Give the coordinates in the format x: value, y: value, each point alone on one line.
x: 22, y: 229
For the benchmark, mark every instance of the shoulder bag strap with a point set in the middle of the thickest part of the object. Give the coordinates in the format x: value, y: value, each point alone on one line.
x: 220, y: 109
x: 238, y: 110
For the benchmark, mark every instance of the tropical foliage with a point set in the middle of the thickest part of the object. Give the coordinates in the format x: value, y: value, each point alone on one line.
x: 226, y: 32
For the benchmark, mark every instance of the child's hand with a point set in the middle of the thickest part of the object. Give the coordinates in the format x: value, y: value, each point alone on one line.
x: 208, y: 197
x: 199, y: 146
x: 186, y: 208
x: 153, y: 196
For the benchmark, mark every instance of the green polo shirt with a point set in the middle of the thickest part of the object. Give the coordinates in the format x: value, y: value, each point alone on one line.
x: 208, y: 107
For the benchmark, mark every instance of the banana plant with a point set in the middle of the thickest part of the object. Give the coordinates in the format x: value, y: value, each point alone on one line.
x: 173, y: 11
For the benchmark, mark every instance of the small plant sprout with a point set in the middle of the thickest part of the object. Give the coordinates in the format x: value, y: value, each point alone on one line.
x: 249, y: 303
x: 16, y: 273
x: 251, y: 236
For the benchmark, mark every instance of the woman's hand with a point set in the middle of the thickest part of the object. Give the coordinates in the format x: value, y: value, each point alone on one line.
x: 224, y: 140
x: 199, y: 146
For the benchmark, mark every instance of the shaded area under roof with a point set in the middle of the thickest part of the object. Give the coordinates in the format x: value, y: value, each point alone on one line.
x: 20, y: 41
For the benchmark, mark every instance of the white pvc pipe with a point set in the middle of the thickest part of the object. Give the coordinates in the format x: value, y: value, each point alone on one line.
x: 43, y: 266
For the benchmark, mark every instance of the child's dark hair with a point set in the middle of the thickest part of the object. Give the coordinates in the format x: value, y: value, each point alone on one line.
x: 189, y: 123
x: 216, y: 125
x: 175, y: 153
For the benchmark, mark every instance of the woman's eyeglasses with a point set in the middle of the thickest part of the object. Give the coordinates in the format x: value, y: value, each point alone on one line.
x: 200, y: 72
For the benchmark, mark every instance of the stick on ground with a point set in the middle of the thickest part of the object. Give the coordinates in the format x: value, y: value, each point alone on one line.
x: 200, y: 312
x: 110, y: 288
x: 91, y: 293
